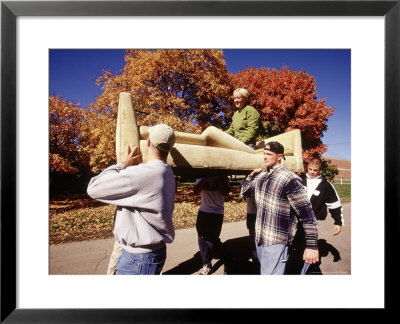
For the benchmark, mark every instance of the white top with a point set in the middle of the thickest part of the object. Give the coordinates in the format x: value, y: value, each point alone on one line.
x: 312, y: 184
x: 145, y: 196
x: 212, y: 201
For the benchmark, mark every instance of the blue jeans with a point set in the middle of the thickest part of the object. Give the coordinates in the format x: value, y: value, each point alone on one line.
x: 304, y: 269
x: 149, y: 263
x: 272, y: 259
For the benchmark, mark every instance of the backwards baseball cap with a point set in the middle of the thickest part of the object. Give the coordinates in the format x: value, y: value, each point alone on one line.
x: 162, y: 137
x: 275, y: 147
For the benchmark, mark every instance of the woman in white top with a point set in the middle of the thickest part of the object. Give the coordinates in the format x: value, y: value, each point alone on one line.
x: 210, y: 218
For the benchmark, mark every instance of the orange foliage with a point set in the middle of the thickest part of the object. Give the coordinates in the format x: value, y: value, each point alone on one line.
x: 287, y: 100
x: 60, y: 164
x: 186, y: 89
x: 189, y: 90
x: 65, y: 120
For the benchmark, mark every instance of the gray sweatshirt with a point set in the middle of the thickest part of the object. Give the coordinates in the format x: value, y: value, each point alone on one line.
x: 145, y: 196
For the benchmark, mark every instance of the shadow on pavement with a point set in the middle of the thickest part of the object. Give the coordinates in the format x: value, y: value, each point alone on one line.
x: 324, y: 249
x: 238, y: 249
x: 187, y: 267
x: 295, y: 262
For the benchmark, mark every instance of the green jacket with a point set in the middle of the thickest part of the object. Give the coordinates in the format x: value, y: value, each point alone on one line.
x: 245, y: 125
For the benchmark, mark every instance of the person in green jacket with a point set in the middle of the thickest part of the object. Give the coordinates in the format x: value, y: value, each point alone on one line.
x: 245, y: 120
x: 244, y: 127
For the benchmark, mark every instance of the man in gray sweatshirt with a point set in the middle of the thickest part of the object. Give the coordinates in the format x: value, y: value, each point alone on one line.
x: 144, y: 195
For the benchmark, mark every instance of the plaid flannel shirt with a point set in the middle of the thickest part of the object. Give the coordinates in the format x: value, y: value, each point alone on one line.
x: 281, y: 203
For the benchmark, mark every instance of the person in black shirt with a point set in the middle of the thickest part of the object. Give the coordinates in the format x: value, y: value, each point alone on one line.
x: 323, y: 197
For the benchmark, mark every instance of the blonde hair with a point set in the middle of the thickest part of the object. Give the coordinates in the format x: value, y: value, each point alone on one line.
x: 243, y: 92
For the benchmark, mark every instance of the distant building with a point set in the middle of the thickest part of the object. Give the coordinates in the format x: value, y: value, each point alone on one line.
x: 344, y: 167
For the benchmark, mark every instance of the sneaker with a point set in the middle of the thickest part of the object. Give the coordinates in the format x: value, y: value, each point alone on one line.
x: 205, y: 270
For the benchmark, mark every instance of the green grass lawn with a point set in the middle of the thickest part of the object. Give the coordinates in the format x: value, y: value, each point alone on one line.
x: 344, y: 192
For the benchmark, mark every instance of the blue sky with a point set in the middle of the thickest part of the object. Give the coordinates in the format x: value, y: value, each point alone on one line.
x: 73, y: 72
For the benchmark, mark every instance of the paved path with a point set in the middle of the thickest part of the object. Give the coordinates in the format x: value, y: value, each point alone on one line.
x: 91, y: 257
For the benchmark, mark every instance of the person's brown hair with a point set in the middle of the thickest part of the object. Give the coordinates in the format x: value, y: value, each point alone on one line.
x: 316, y: 157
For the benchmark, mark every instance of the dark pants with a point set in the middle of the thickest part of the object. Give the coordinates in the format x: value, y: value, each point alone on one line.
x: 251, y: 222
x: 296, y: 264
x: 208, y: 228
x: 251, y: 226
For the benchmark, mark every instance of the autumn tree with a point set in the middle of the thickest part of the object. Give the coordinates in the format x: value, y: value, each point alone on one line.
x: 65, y: 119
x: 329, y: 170
x: 287, y: 100
x: 186, y: 89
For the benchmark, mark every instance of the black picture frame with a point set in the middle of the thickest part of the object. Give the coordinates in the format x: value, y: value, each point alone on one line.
x: 10, y: 10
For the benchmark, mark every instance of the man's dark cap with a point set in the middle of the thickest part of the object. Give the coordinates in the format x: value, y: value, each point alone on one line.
x: 276, y: 147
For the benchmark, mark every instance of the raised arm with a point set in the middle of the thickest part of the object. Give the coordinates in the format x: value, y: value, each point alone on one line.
x: 199, y: 185
x: 248, y: 184
x: 113, y: 186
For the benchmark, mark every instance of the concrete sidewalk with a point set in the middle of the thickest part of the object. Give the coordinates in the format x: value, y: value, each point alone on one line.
x: 183, y: 257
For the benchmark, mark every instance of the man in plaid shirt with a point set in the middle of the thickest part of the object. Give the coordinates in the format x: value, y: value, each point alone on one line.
x: 281, y: 203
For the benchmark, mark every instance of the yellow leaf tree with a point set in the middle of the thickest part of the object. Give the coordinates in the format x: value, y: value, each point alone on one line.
x: 287, y: 100
x: 186, y: 89
x: 65, y: 120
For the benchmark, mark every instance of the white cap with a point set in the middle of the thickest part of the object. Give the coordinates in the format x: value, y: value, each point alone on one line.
x: 162, y: 137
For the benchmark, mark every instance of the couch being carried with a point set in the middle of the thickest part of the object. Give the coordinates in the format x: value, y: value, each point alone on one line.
x: 210, y: 153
